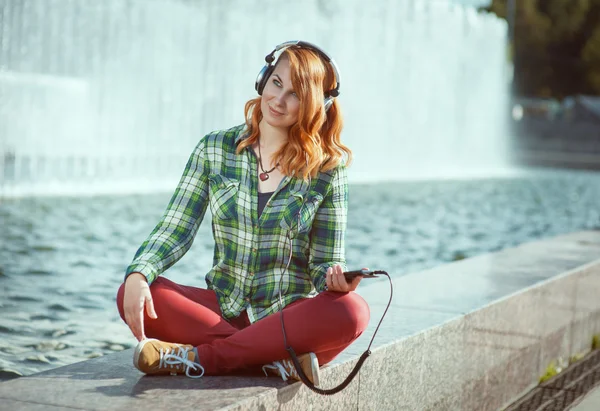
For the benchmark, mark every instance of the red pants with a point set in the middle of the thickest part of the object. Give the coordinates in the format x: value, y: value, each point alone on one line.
x: 325, y: 325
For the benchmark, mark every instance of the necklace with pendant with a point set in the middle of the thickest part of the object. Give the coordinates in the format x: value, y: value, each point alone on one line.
x: 264, y: 176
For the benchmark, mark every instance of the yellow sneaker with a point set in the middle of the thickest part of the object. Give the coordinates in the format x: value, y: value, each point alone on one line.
x: 155, y: 357
x: 285, y: 368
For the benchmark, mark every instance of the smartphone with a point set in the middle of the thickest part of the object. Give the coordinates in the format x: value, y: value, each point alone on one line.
x: 351, y: 275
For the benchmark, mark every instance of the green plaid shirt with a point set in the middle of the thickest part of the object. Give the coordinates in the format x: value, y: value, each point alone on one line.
x: 250, y: 252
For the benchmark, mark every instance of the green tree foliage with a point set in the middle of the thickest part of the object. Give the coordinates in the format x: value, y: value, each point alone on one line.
x: 556, y: 46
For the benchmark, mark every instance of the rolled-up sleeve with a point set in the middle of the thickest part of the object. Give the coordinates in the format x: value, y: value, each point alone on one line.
x: 328, y: 231
x: 174, y: 234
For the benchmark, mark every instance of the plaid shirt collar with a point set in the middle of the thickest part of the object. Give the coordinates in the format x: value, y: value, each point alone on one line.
x: 242, y: 135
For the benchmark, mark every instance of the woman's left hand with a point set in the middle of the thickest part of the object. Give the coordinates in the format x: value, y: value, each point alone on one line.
x: 337, y: 282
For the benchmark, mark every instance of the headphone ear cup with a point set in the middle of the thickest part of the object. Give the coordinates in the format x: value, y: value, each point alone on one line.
x: 263, y: 76
x: 328, y: 103
x: 259, y: 78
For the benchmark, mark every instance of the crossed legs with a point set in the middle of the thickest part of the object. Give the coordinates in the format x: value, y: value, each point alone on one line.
x: 325, y: 325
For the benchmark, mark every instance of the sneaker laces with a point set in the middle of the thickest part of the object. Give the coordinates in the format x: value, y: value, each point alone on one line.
x: 281, y: 368
x: 168, y: 359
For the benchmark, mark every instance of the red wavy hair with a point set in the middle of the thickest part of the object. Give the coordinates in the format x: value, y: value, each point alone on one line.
x: 314, y: 141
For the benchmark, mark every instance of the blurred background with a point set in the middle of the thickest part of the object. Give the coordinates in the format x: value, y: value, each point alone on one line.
x: 554, y: 47
x: 114, y: 95
x: 474, y: 124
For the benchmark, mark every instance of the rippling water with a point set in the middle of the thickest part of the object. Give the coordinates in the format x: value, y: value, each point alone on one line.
x: 62, y: 259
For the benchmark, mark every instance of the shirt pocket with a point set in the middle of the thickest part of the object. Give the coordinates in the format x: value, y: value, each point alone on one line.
x: 300, y: 213
x: 223, y: 196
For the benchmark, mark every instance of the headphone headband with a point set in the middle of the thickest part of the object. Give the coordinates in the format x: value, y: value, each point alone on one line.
x: 270, y: 59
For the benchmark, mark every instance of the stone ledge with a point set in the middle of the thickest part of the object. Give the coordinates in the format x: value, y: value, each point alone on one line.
x: 472, y: 335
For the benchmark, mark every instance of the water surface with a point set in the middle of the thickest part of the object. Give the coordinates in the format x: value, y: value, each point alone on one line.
x: 62, y: 259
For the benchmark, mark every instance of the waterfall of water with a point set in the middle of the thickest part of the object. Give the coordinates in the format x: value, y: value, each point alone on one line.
x: 113, y: 95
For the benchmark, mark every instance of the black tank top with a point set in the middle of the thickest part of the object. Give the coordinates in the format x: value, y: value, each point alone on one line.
x: 262, y: 201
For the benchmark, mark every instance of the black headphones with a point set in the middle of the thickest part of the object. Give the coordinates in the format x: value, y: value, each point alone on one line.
x: 265, y: 72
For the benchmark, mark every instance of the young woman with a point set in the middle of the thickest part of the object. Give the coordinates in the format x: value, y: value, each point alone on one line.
x: 278, y: 193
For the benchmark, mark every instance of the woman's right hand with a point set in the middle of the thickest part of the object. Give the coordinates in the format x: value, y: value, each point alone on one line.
x: 137, y: 295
